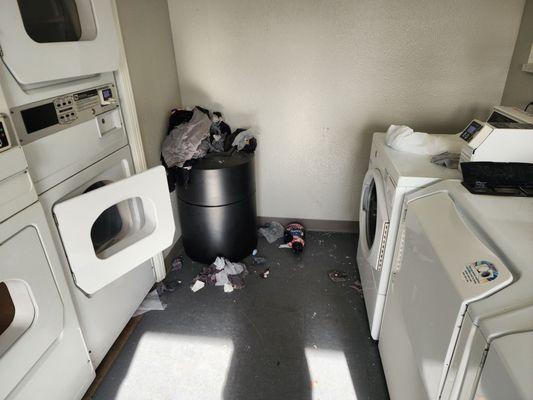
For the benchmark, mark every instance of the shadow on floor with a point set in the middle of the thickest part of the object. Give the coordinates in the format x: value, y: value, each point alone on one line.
x: 295, y: 335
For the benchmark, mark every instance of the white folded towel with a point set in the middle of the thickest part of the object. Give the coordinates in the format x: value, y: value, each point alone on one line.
x: 403, y: 138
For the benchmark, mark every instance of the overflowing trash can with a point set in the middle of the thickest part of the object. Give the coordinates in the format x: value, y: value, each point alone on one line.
x: 217, y: 207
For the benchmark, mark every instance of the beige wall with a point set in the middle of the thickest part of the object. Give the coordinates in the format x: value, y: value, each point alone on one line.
x: 147, y: 38
x: 519, y: 86
x: 145, y: 27
x: 315, y: 78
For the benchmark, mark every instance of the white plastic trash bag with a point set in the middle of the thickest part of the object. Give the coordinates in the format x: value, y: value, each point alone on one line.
x: 187, y: 141
x: 404, y: 138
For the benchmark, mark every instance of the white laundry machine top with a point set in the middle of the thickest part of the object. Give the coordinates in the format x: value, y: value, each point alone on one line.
x: 408, y: 169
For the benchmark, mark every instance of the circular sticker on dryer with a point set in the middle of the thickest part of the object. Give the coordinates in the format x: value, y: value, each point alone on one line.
x: 480, y: 272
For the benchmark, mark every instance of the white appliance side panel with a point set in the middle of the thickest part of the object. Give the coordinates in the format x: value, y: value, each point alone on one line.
x: 434, y: 283
x: 24, y: 56
x: 508, y: 369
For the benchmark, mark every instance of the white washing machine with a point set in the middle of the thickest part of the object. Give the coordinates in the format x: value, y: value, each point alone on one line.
x: 458, y: 316
x: 42, y: 351
x: 58, y: 75
x: 391, y: 174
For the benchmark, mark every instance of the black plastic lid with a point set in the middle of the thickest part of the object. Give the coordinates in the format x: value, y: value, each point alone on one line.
x: 219, y: 179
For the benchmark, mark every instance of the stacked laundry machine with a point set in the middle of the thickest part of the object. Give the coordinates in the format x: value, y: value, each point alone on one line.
x: 456, y: 316
x: 79, y: 225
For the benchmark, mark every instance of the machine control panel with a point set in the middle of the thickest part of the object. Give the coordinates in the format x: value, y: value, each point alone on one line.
x: 65, y: 109
x: 42, y: 118
x: 470, y: 131
x: 4, y: 136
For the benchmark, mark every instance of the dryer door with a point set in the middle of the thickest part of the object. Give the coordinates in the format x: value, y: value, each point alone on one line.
x: 100, y: 246
x: 373, y: 219
x: 76, y: 38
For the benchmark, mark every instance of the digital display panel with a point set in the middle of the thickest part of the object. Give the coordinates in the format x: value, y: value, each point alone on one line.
x: 470, y: 131
x: 107, y: 94
x: 40, y: 117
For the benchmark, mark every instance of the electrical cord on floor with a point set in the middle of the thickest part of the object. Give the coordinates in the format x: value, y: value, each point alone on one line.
x: 529, y: 104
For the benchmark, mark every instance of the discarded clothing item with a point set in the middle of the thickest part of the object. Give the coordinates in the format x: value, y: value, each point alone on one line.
x: 338, y: 276
x: 187, y: 141
x: 151, y: 302
x: 271, y: 231
x: 223, y: 272
x: 245, y: 141
x: 265, y: 273
x: 404, y: 138
x: 447, y: 159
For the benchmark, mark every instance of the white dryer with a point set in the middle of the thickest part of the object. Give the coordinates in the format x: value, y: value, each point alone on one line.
x: 109, y: 223
x: 49, y: 42
x: 42, y: 351
x: 460, y: 292
x: 391, y: 174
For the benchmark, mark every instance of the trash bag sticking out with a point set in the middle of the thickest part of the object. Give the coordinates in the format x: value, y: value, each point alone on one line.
x: 219, y: 131
x: 188, y: 140
x: 243, y: 140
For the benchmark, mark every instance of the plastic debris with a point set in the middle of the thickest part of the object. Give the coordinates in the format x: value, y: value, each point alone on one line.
x: 271, y: 231
x: 258, y: 260
x: 228, y: 288
x: 197, y: 285
x: 245, y: 141
x: 254, y: 252
x: 284, y: 246
x: 223, y: 272
x: 188, y: 140
x: 338, y: 276
x: 167, y: 286
x: 265, y: 273
x: 151, y: 302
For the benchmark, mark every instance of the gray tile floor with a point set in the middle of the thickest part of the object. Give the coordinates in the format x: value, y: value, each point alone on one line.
x: 295, y: 335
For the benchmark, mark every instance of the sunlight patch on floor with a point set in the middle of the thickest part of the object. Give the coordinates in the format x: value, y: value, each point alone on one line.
x: 178, y: 367
x: 330, y: 375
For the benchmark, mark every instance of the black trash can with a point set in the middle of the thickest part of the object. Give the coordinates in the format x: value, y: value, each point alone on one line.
x: 217, y: 208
